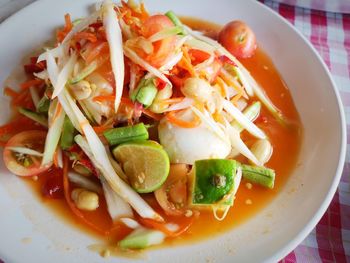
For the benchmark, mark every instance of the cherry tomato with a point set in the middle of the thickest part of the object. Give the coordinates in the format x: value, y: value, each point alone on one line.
x: 164, y: 48
x: 238, y: 38
x: 172, y: 196
x: 24, y: 164
x: 53, y: 185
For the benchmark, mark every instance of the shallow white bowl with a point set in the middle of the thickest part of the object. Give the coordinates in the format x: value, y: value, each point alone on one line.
x: 270, y: 235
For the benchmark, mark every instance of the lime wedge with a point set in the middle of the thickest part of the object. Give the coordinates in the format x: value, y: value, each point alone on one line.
x: 145, y: 163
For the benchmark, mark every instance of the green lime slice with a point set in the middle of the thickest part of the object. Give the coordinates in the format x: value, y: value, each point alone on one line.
x: 214, y: 179
x: 145, y: 163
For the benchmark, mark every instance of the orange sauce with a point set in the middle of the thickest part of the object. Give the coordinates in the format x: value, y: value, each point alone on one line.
x: 286, y: 142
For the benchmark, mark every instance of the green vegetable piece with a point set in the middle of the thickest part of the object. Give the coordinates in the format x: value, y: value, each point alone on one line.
x: 142, y: 238
x: 43, y: 105
x: 68, y: 132
x: 146, y: 95
x: 77, y: 21
x: 251, y: 112
x: 37, y: 117
x: 171, y: 15
x: 81, y: 169
x: 145, y: 92
x: 213, y: 180
x: 84, y: 73
x: 259, y: 175
x: 260, y: 94
x: 124, y: 134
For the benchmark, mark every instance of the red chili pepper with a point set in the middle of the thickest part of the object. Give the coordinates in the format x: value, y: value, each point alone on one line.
x: 161, y: 84
x: 34, y: 66
x: 225, y: 59
x: 88, y: 164
x: 75, y: 149
x: 96, y: 25
x: 198, y: 55
x: 83, y: 159
x: 177, y: 81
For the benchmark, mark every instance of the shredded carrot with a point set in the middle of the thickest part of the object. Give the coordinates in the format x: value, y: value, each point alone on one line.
x: 61, y: 34
x: 131, y: 18
x: 107, y: 125
x: 55, y: 159
x: 31, y: 83
x: 236, y: 98
x: 231, y: 83
x: 152, y: 115
x: 10, y: 92
x: 185, y: 62
x: 95, y: 51
x: 221, y: 84
x: 218, y: 117
x: 86, y: 36
x: 127, y: 101
x: 171, y: 116
x: 103, y: 98
x: 144, y: 12
x: 71, y: 204
x: 57, y: 112
x: 173, y: 100
x: 162, y: 226
x: 69, y: 24
x: 100, y: 129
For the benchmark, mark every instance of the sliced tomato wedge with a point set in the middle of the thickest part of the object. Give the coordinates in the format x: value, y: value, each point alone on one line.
x: 24, y: 164
x: 183, y: 227
x: 164, y: 48
x: 172, y: 196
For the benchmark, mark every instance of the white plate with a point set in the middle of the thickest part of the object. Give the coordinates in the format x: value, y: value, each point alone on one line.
x: 270, y: 235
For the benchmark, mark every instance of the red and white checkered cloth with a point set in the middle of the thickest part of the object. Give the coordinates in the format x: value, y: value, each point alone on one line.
x: 329, y: 33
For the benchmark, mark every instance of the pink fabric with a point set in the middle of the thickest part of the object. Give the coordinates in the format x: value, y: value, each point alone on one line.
x: 330, y: 35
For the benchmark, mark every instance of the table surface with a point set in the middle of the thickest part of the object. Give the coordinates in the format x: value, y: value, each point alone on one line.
x: 329, y: 33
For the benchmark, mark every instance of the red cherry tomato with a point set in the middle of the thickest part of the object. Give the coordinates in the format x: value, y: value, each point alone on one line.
x: 164, y: 48
x: 24, y: 164
x: 238, y: 38
x: 172, y: 196
x: 53, y: 186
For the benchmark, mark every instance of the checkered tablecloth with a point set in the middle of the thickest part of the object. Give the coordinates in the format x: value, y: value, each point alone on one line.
x: 329, y: 33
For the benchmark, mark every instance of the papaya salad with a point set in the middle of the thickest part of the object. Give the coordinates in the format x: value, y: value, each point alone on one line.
x: 143, y: 120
